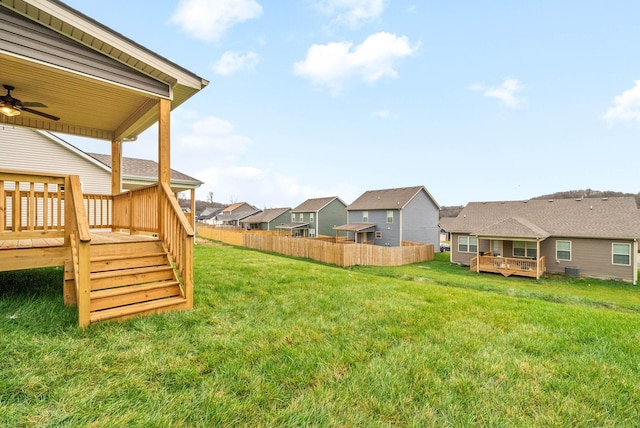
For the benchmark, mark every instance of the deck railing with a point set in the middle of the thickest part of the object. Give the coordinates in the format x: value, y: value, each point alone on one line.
x: 78, y: 237
x: 509, y: 265
x: 178, y: 236
x: 31, y: 204
x: 136, y: 210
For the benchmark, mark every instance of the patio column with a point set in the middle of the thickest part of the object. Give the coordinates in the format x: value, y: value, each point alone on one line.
x: 164, y: 140
x: 164, y: 156
x: 538, y: 258
x: 116, y: 167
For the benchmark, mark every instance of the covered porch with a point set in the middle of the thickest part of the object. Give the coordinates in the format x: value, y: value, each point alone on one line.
x: 512, y: 254
x: 358, y: 233
x: 86, y: 80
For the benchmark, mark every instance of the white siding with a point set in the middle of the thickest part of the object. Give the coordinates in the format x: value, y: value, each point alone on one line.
x: 28, y: 150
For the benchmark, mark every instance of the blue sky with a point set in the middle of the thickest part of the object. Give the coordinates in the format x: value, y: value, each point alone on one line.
x: 477, y: 101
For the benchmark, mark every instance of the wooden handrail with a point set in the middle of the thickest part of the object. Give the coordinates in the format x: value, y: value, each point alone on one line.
x: 178, y: 236
x: 80, y: 216
x: 78, y: 237
x: 176, y: 208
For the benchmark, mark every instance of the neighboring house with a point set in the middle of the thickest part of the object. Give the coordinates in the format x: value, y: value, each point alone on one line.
x: 445, y: 224
x: 36, y: 150
x: 593, y: 237
x: 208, y: 215
x: 234, y: 214
x: 138, y: 173
x: 390, y: 216
x: 316, y: 217
x: 267, y: 219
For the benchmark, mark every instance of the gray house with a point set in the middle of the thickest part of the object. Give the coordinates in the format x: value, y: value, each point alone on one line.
x: 390, y: 216
x: 234, y: 214
x: 593, y: 237
x: 268, y: 219
x: 316, y: 217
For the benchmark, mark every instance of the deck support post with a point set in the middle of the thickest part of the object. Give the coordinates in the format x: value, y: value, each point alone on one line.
x: 116, y: 167
x: 164, y: 155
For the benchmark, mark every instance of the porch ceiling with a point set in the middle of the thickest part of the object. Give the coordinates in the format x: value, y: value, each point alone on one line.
x: 87, y: 105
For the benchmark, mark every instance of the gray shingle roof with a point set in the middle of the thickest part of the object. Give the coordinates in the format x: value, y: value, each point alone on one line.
x: 314, y: 205
x: 269, y: 214
x: 143, y: 168
x: 617, y: 217
x: 387, y: 199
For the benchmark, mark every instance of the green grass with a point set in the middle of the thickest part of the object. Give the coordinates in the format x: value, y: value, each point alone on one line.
x: 274, y: 341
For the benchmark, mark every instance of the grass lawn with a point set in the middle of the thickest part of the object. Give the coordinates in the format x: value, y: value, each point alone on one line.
x: 274, y: 341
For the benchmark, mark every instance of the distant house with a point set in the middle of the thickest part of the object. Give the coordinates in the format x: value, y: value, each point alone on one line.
x: 593, y: 237
x: 268, y: 219
x: 36, y: 150
x: 316, y: 217
x: 390, y: 216
x: 208, y: 215
x: 234, y: 214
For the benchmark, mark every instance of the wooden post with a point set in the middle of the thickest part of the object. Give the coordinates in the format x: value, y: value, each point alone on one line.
x: 164, y: 156
x: 192, y: 207
x: 537, y: 259
x: 116, y: 167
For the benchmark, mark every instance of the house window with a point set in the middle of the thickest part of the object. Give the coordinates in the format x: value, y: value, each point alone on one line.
x: 563, y: 250
x: 311, y: 218
x: 467, y: 244
x: 378, y: 234
x: 389, y: 217
x: 293, y: 217
x: 621, y: 254
x: 365, y: 216
x: 524, y: 249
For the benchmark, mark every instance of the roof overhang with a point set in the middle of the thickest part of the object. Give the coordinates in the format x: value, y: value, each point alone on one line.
x: 356, y: 227
x: 77, y: 85
x: 291, y: 226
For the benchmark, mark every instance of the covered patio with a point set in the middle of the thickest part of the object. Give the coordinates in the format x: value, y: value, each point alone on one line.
x: 66, y: 73
x: 358, y: 233
x: 514, y: 236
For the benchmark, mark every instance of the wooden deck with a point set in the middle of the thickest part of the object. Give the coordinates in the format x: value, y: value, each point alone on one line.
x: 508, y: 266
x: 18, y: 254
x: 96, y: 238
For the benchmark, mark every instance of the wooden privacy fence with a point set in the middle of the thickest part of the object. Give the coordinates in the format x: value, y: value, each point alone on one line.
x: 323, y: 250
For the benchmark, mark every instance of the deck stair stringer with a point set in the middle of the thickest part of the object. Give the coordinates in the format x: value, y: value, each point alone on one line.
x: 132, y: 279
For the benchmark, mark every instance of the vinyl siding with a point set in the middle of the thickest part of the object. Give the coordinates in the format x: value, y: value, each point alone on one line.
x: 420, y: 221
x: 31, y: 151
x: 591, y: 256
x: 390, y: 231
x: 25, y: 38
x: 333, y: 214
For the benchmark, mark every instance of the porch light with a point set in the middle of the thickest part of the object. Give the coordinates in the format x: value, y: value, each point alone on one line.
x: 8, y: 110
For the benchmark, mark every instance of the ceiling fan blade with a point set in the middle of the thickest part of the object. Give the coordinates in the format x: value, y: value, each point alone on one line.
x: 39, y: 113
x: 33, y: 104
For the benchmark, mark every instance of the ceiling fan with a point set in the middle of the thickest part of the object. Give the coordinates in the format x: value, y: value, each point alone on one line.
x: 10, y: 106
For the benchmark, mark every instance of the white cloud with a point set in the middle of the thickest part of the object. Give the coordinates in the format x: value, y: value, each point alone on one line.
x: 214, y: 135
x: 331, y: 65
x: 352, y: 12
x: 382, y: 113
x: 626, y: 106
x: 507, y: 92
x: 231, y: 62
x: 208, y: 21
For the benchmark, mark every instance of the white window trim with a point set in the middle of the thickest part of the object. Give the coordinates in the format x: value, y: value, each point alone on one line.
x: 570, y: 250
x: 628, y: 254
x: 390, y: 216
x: 467, y: 238
x: 526, y: 249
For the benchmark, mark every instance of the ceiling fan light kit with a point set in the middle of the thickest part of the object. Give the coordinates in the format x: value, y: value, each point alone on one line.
x: 7, y: 110
x: 10, y: 106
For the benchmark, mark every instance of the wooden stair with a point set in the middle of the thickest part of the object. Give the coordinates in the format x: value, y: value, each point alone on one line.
x: 131, y: 279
